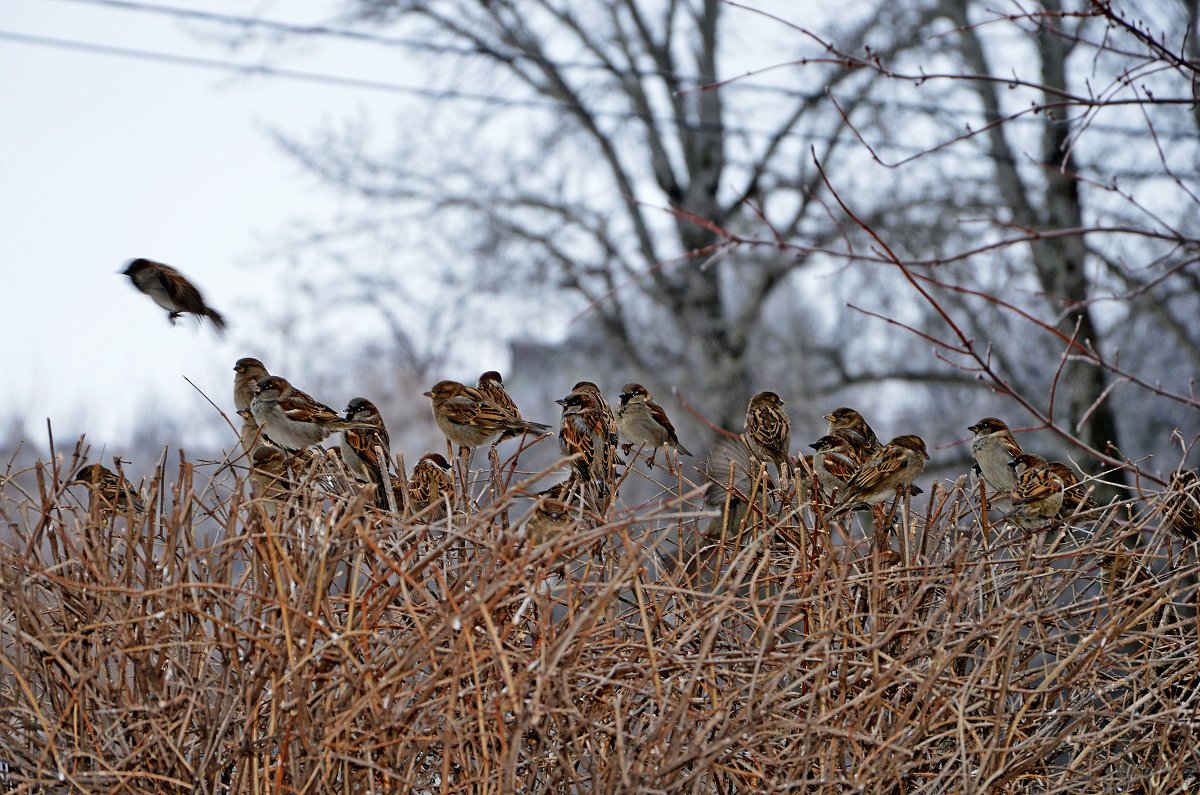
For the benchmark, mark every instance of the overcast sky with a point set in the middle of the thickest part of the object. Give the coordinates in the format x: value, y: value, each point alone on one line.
x: 105, y: 158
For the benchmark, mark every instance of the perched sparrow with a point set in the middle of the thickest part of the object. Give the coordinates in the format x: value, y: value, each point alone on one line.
x: 643, y: 422
x: 492, y: 388
x: 610, y: 419
x: 834, y: 463
x: 1076, y: 496
x: 248, y: 371
x: 737, y: 482
x: 994, y: 448
x: 1181, y: 507
x: 171, y: 291
x: 584, y: 431
x: 361, y: 448
x: 883, y: 475
x: 430, y: 485
x: 558, y: 510
x: 470, y: 420
x: 768, y: 432
x: 291, y: 419
x: 250, y: 435
x: 269, y: 477
x: 849, y: 424
x: 112, y: 490
x: 1038, y: 495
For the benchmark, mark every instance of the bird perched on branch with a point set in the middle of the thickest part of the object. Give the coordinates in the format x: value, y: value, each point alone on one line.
x: 1038, y: 495
x: 890, y: 471
x: 491, y: 386
x: 468, y: 419
x: 430, y: 484
x: 367, y: 451
x: 1181, y: 507
x: 291, y: 419
x: 643, y: 422
x: 834, y: 463
x: 583, y: 432
x: 1077, y: 498
x: 248, y: 370
x: 172, y: 291
x: 993, y: 448
x: 269, y: 477
x: 768, y: 433
x: 848, y: 424
x: 112, y: 491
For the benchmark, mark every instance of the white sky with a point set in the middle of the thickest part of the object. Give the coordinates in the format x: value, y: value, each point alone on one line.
x: 103, y: 159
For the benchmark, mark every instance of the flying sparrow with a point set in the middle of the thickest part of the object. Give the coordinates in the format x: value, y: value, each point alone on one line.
x: 470, y: 420
x: 768, y: 432
x: 583, y: 431
x: 361, y: 448
x: 891, y: 470
x: 171, y: 291
x: 643, y: 422
x: 430, y: 485
x: 1076, y: 496
x: 1181, y: 507
x: 850, y: 425
x: 1038, y: 495
x: 834, y: 463
x: 114, y: 492
x: 993, y: 449
x: 291, y: 419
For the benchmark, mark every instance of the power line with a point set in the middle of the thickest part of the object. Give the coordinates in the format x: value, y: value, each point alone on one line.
x: 387, y: 41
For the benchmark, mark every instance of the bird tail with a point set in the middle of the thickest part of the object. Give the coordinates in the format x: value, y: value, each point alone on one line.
x: 682, y: 449
x: 217, y: 319
x: 535, y: 427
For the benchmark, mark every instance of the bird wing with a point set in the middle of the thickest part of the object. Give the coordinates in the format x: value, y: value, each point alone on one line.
x: 181, y: 291
x: 1036, y: 485
x: 299, y: 409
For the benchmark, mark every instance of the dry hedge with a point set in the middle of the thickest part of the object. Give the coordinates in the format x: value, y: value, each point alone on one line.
x: 207, y: 647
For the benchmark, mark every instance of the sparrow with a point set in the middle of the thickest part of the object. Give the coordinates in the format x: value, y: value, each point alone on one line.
x: 1181, y: 508
x: 429, y: 485
x: 890, y: 471
x: 112, y: 490
x: 644, y: 423
x: 361, y: 448
x: 610, y: 419
x: 468, y: 419
x: 737, y: 482
x: 491, y: 387
x: 557, y: 511
x: 172, y: 291
x: 834, y: 463
x: 1038, y: 495
x: 768, y: 432
x: 269, y: 477
x: 293, y: 420
x: 250, y: 435
x: 850, y: 425
x: 993, y: 448
x: 1076, y: 496
x: 248, y: 371
x: 583, y: 431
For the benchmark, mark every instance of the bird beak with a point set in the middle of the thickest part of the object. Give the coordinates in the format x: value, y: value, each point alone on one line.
x: 428, y: 394
x: 829, y: 418
x: 814, y: 446
x: 973, y: 428
x: 562, y: 402
x: 1012, y: 464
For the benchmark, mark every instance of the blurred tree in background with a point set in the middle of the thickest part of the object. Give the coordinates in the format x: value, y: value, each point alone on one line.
x: 634, y: 183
